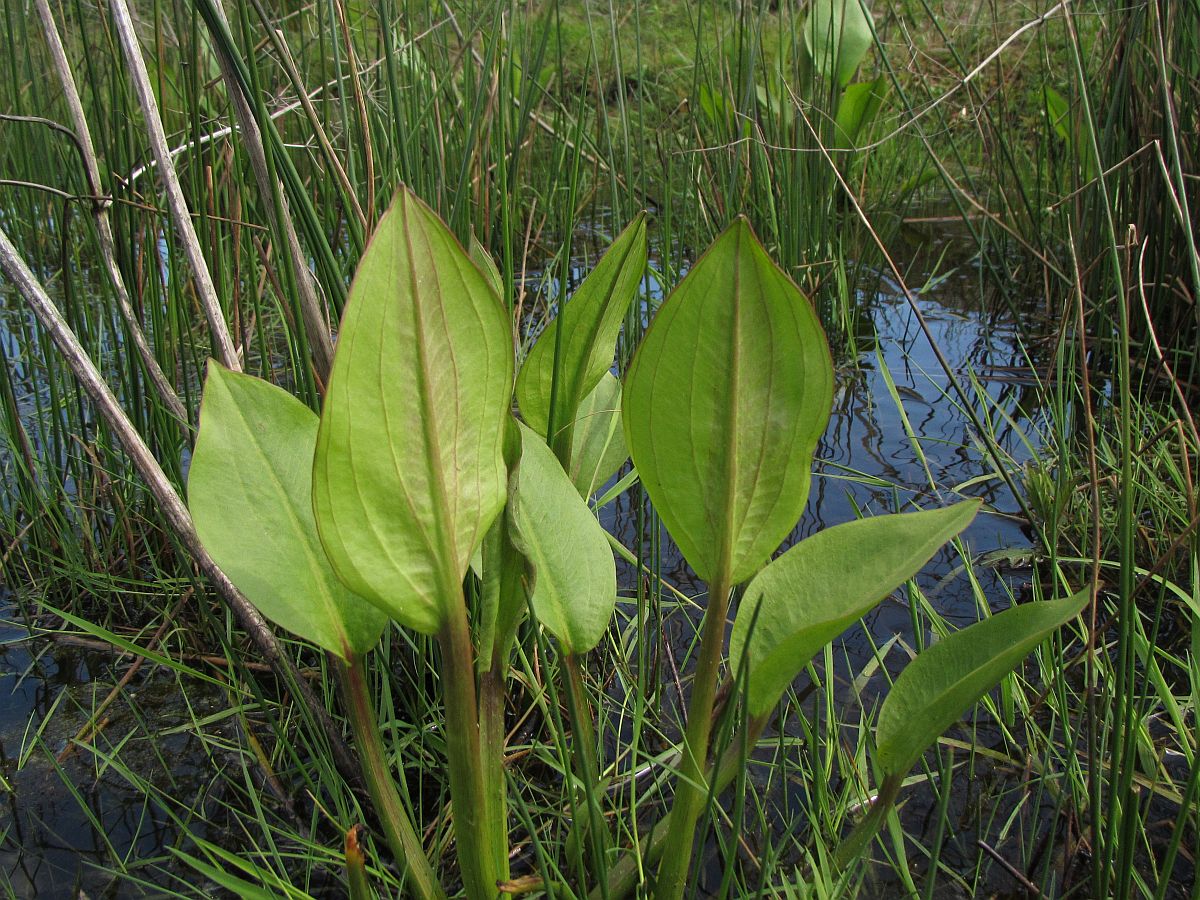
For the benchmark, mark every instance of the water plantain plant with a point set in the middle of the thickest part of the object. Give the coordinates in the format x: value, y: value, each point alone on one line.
x: 417, y: 478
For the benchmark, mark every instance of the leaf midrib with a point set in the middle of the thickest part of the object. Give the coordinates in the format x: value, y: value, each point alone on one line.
x: 428, y: 418
x: 725, y: 552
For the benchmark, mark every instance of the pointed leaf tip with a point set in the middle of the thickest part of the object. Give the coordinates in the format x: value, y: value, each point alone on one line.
x: 724, y: 403
x: 809, y: 595
x: 592, y: 320
x: 936, y: 688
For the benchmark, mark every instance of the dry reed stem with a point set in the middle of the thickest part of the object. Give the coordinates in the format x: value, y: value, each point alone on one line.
x: 83, y: 140
x: 223, y: 346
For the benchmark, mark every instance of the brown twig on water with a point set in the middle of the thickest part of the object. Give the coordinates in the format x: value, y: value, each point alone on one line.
x: 1008, y: 867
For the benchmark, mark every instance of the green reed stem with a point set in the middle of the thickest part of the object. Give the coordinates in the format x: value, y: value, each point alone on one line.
x: 393, y: 815
x: 624, y: 875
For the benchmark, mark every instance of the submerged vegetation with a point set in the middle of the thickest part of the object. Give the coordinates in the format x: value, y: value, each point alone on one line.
x: 413, y: 298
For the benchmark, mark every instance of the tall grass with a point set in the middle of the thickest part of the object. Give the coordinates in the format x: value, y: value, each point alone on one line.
x: 1070, y: 160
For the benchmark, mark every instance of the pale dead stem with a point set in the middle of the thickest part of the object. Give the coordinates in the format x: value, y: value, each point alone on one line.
x: 83, y: 140
x: 223, y: 346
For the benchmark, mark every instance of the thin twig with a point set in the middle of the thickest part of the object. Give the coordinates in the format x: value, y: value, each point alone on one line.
x: 209, y: 659
x: 316, y: 326
x: 95, y: 724
x: 360, y: 108
x: 1008, y: 867
x: 314, y: 121
x: 226, y: 130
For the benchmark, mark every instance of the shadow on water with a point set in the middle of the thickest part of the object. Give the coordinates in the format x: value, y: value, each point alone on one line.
x: 61, y: 826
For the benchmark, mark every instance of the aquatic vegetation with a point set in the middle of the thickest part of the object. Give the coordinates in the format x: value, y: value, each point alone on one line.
x: 573, y: 597
x: 723, y: 404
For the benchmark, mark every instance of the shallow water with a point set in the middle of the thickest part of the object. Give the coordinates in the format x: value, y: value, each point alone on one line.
x: 53, y: 837
x: 62, y: 824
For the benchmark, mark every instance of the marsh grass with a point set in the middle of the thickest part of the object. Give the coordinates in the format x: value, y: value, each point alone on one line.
x: 520, y: 124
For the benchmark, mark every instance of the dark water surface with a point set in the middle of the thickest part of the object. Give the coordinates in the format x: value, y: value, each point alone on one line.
x: 58, y: 825
x: 64, y: 822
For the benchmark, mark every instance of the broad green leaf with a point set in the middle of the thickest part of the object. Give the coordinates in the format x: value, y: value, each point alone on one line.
x: 916, y: 182
x: 838, y: 35
x: 592, y: 319
x: 937, y: 687
x: 857, y: 110
x: 575, y: 576
x: 778, y: 106
x: 409, y: 470
x: 250, y: 494
x: 809, y: 595
x: 1059, y: 111
x: 598, y: 443
x: 502, y: 572
x: 724, y: 403
x: 715, y: 108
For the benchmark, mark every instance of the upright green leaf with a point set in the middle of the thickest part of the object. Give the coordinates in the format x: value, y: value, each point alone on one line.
x: 598, y: 443
x: 944, y: 681
x: 838, y: 34
x: 409, y: 471
x: 1058, y: 110
x: 250, y: 494
x: 592, y: 319
x: 724, y: 403
x: 857, y: 110
x: 810, y: 595
x: 575, y: 577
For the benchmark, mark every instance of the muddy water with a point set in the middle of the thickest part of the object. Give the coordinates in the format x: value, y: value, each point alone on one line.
x: 60, y: 825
